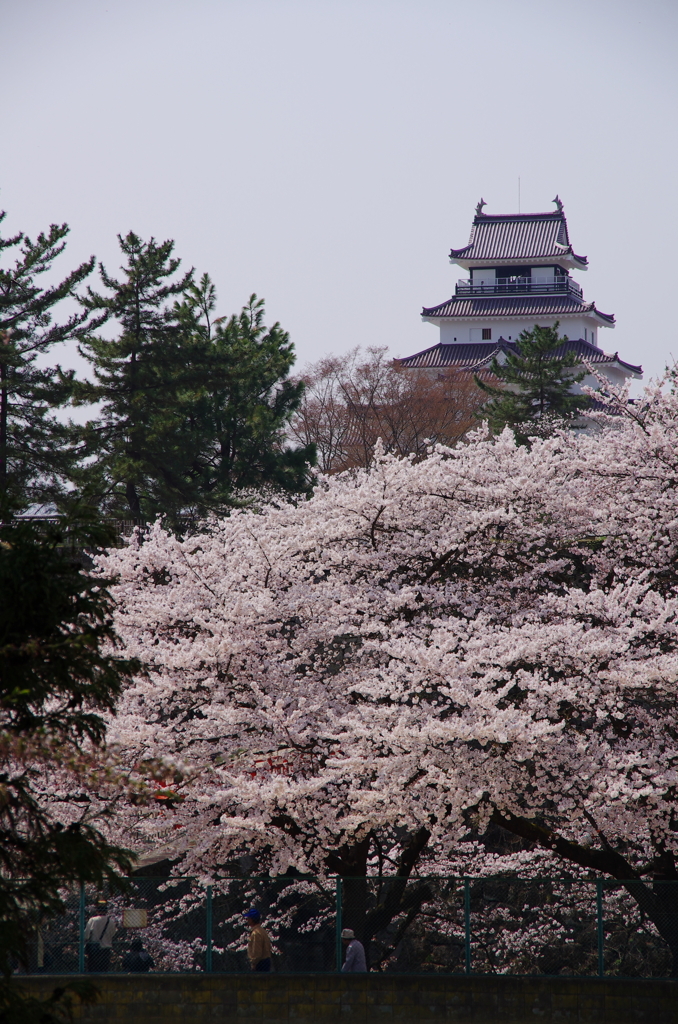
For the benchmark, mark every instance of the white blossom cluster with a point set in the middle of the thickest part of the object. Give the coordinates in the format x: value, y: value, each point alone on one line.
x: 420, y: 645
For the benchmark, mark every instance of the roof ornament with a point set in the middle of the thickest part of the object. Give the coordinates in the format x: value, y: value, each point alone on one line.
x: 558, y: 203
x: 479, y: 208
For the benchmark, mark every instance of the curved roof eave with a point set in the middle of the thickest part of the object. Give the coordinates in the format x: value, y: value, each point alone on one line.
x: 607, y: 319
x: 637, y: 371
x: 460, y: 252
x: 473, y: 311
x: 476, y: 355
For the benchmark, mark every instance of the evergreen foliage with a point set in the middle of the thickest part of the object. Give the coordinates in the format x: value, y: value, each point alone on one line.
x: 57, y: 679
x: 537, y: 386
x: 239, y: 405
x: 37, y: 451
x: 135, y: 378
x: 194, y: 408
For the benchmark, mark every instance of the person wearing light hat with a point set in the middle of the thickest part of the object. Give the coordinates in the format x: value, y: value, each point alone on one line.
x: 99, y: 939
x: 355, y: 962
x: 259, y: 945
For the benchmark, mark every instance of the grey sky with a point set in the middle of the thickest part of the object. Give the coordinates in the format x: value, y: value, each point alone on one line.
x: 328, y: 153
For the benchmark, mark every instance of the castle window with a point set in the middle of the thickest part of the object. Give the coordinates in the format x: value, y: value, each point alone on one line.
x: 487, y: 334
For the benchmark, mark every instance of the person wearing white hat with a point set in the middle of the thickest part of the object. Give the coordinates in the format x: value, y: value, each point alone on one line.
x: 99, y: 939
x: 354, y: 962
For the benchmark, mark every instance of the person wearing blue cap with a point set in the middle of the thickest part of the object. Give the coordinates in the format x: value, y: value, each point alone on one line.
x: 259, y: 945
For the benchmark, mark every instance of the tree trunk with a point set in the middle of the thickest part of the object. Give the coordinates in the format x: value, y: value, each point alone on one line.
x: 133, y: 502
x: 350, y: 862
x: 3, y: 426
x: 393, y: 898
x: 4, y: 409
x: 659, y: 902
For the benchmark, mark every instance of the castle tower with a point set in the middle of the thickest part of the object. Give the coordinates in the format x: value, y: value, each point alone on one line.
x: 519, y: 275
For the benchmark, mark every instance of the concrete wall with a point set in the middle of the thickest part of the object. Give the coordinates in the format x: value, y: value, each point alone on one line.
x: 367, y: 999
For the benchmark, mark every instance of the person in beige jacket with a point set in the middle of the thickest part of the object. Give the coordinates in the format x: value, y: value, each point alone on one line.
x: 259, y: 945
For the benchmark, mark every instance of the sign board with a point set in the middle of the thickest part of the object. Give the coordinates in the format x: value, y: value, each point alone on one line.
x: 134, y: 918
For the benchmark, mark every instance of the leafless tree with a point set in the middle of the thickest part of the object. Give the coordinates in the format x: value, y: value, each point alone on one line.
x: 353, y: 400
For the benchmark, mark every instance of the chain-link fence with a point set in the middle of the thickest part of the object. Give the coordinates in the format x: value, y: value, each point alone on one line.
x: 492, y: 925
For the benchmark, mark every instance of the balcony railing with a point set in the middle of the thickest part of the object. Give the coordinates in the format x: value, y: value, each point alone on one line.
x: 521, y: 286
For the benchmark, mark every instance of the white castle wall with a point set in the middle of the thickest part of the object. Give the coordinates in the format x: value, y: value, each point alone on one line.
x: 464, y: 332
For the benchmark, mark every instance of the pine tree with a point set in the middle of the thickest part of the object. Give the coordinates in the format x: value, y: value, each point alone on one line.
x: 136, y: 376
x: 537, y: 384
x: 58, y: 677
x: 239, y: 404
x: 193, y: 408
x: 37, y: 451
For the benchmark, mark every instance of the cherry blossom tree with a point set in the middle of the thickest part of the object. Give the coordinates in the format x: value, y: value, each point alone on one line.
x: 368, y: 681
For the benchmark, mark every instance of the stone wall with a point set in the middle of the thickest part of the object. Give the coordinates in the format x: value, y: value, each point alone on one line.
x: 368, y: 999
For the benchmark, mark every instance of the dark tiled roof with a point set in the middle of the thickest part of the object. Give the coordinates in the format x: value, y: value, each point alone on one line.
x: 518, y: 305
x: 459, y: 356
x: 519, y: 236
x: 474, y: 357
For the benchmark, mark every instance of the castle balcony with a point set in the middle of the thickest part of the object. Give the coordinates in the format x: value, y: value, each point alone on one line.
x: 560, y: 285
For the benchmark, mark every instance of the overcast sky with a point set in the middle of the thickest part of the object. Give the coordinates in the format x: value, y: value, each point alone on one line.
x: 326, y: 154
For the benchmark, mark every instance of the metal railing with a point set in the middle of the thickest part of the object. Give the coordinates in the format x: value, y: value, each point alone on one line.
x: 492, y: 925
x: 520, y: 286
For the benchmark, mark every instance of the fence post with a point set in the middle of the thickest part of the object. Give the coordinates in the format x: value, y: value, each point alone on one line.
x: 81, y: 932
x: 601, y: 928
x: 208, y: 929
x: 467, y: 923
x: 338, y: 899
